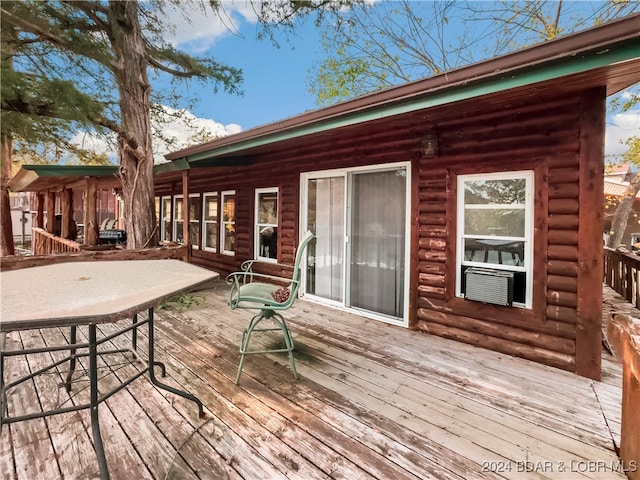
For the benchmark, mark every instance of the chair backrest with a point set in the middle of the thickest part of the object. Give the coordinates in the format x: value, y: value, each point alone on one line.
x: 304, y: 242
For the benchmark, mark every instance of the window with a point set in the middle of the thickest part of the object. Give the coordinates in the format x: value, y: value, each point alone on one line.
x: 266, y: 234
x: 228, y: 226
x: 178, y: 218
x: 210, y: 222
x: 166, y: 227
x: 158, y: 208
x: 195, y: 212
x: 495, y: 228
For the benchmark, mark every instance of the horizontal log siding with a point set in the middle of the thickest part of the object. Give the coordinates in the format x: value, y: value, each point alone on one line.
x: 492, y: 134
x: 282, y: 168
x: 562, y: 279
x: 542, y: 134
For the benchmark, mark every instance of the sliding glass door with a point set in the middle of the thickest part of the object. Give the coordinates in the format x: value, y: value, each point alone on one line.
x: 360, y: 220
x: 377, y: 242
x: 325, y: 256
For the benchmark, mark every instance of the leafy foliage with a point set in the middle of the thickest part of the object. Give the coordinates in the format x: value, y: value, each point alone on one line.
x: 374, y: 45
x: 182, y: 301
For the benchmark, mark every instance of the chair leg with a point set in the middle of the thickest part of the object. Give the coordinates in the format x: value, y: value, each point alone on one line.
x: 246, y: 336
x: 288, y: 342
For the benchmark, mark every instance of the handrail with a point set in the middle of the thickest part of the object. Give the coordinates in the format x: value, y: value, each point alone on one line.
x: 45, y: 243
x: 622, y: 273
x: 16, y: 262
x: 623, y: 334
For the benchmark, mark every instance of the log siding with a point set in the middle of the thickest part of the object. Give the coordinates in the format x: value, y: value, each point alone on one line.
x: 542, y: 133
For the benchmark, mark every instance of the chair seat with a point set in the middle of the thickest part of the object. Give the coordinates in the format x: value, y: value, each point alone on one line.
x: 252, y: 293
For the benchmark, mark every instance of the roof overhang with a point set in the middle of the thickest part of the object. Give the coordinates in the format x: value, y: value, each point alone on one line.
x: 42, y: 178
x: 606, y: 55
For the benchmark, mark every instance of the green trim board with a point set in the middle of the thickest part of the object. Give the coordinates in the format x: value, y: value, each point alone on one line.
x: 33, y: 178
x: 72, y: 170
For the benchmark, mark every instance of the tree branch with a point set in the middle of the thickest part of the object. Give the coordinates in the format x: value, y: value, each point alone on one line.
x: 35, y: 29
x: 178, y: 73
x: 90, y: 9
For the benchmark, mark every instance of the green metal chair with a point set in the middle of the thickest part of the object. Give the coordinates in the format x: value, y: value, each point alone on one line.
x: 269, y: 295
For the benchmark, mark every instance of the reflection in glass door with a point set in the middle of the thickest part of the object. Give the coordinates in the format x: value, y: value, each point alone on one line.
x: 325, y: 218
x: 377, y: 242
x: 358, y: 260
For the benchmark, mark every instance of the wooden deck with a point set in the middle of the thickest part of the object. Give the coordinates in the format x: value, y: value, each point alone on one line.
x: 374, y: 401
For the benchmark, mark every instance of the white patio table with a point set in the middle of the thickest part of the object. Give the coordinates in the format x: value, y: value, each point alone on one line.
x: 91, y: 293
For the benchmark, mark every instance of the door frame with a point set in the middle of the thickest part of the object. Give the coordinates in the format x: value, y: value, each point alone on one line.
x: 345, y: 173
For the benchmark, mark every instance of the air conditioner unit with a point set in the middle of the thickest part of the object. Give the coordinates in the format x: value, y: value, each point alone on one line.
x: 489, y: 286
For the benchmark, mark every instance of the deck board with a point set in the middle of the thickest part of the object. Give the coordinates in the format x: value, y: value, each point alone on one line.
x: 373, y: 401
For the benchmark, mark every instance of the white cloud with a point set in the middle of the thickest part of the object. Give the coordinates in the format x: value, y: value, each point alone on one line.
x: 620, y: 127
x: 96, y: 144
x: 187, y: 130
x: 197, y: 28
x: 182, y: 131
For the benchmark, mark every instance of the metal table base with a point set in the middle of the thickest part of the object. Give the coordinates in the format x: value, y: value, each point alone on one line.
x: 96, y: 399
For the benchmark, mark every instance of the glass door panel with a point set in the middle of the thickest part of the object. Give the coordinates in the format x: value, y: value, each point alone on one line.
x: 325, y: 218
x: 377, y: 241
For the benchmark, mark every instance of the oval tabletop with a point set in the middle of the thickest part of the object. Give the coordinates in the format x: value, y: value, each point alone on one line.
x: 80, y: 293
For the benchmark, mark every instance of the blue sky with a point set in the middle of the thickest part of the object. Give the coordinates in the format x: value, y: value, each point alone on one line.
x: 276, y: 79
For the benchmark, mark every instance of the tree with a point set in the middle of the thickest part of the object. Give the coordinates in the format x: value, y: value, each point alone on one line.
x: 105, y: 42
x: 37, y: 108
x: 378, y: 44
x: 102, y: 41
x: 625, y: 206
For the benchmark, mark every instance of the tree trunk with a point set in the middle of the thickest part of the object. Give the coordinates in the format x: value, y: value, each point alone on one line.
x: 621, y: 215
x: 6, y: 228
x: 134, y: 140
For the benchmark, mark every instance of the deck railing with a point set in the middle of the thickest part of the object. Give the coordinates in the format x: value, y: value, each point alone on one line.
x: 621, y: 272
x: 45, y: 243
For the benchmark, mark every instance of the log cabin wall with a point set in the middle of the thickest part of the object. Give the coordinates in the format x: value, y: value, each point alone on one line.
x: 538, y: 132
x: 561, y: 140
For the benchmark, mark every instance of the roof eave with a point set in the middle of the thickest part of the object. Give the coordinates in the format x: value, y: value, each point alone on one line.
x: 572, y: 54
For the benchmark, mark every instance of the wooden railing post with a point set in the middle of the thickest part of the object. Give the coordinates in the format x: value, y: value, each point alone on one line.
x: 51, y: 212
x: 622, y: 273
x: 623, y: 334
x: 90, y: 219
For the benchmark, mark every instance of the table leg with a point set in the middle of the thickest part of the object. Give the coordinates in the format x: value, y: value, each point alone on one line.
x: 3, y: 400
x: 134, y: 333
x: 93, y: 383
x: 155, y: 381
x: 72, y: 361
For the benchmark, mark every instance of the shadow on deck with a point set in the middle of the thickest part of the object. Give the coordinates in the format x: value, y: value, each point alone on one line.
x: 374, y: 401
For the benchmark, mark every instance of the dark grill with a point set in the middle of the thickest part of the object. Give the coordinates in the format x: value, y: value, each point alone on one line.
x: 113, y: 237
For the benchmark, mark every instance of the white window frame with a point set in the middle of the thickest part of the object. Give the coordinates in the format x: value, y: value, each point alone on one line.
x: 259, y: 226
x: 205, y: 222
x: 158, y: 209
x: 223, y: 224
x: 163, y: 229
x: 174, y: 219
x: 196, y: 220
x: 529, y: 177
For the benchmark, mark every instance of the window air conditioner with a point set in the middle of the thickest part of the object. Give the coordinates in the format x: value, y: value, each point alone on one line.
x: 489, y: 286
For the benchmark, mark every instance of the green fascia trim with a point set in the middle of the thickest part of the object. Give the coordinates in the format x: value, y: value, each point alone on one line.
x: 72, y: 170
x: 174, y: 166
x: 513, y: 79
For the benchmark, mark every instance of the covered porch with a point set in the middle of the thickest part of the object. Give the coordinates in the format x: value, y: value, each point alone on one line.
x: 62, y: 192
x: 373, y: 401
